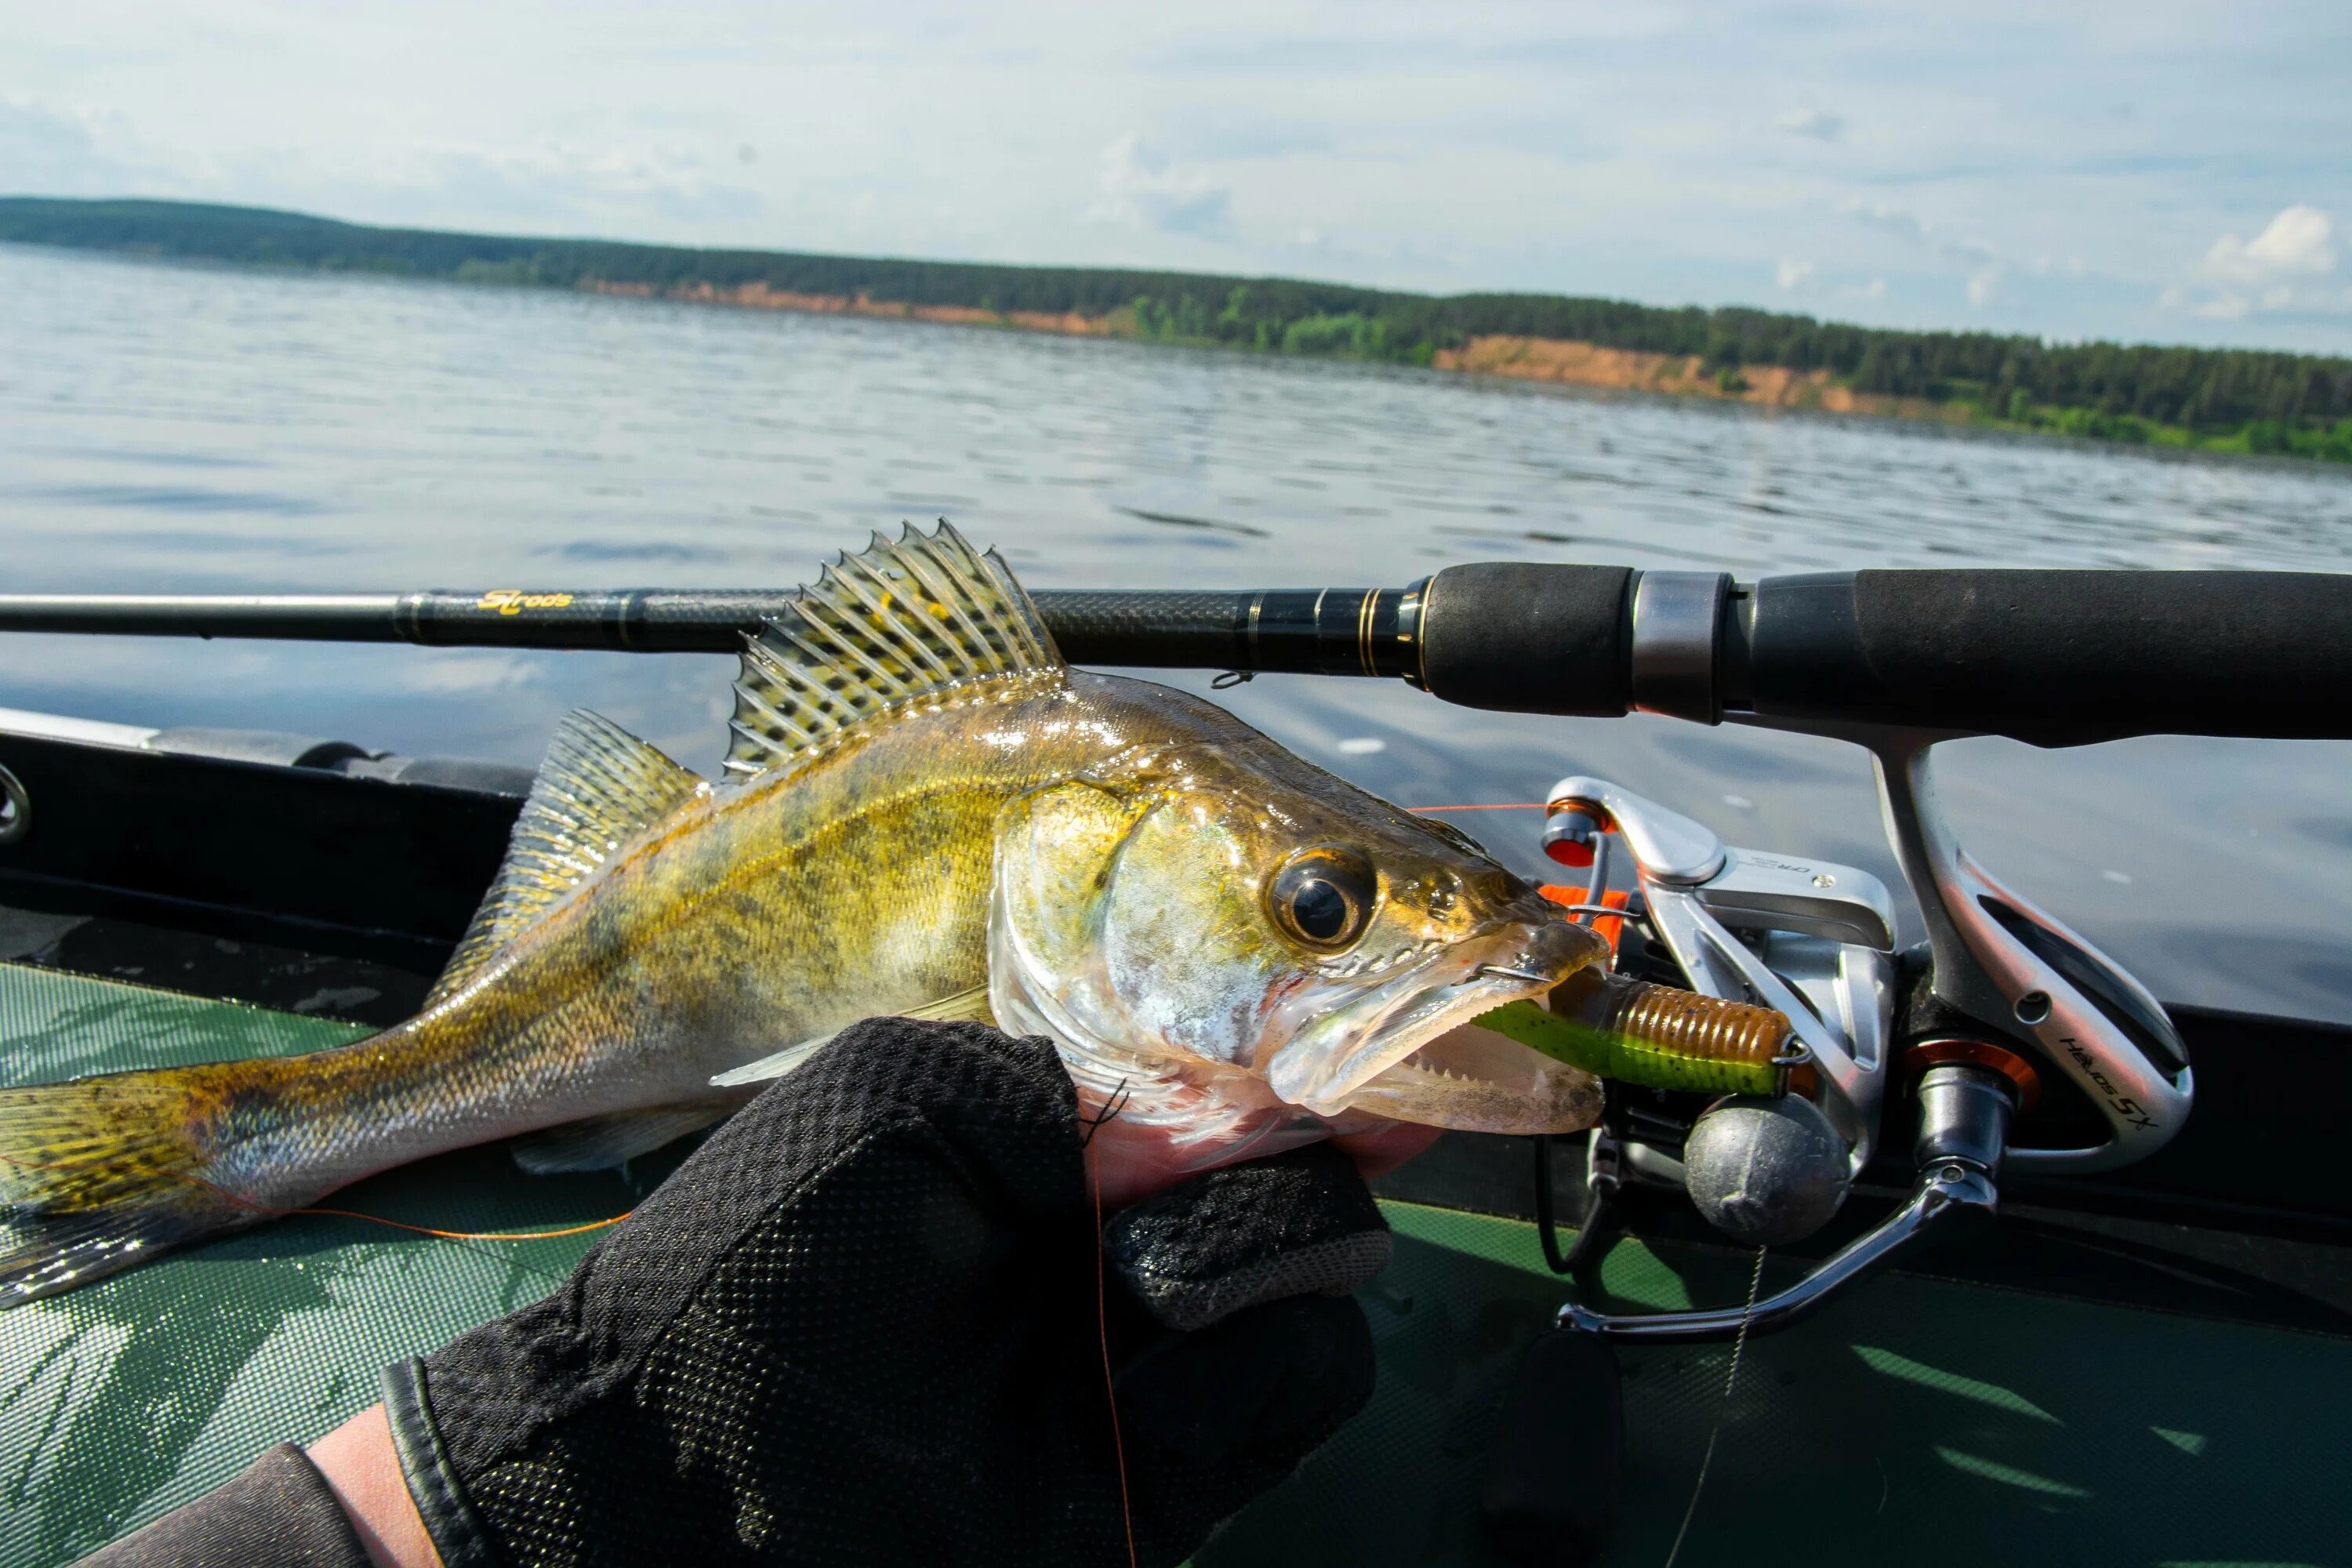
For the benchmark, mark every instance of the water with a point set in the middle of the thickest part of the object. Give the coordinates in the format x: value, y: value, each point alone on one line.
x: 180, y: 428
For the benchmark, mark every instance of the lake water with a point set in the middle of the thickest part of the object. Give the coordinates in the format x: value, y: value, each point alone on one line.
x: 183, y: 428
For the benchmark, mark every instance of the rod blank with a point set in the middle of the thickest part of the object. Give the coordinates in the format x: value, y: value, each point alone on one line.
x: 2054, y: 657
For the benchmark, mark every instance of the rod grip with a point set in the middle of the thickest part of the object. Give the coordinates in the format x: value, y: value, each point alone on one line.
x: 2055, y: 657
x: 1527, y: 638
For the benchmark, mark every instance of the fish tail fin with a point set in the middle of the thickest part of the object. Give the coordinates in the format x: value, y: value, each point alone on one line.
x: 102, y: 1173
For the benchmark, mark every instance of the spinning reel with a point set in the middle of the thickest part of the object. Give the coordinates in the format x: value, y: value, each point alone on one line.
x: 2005, y: 1042
x: 2012, y: 1041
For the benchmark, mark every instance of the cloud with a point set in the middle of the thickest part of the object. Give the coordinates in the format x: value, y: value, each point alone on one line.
x: 29, y: 132
x: 1141, y: 189
x: 1812, y: 122
x: 78, y: 153
x: 2299, y: 242
x: 2286, y: 267
x: 1791, y: 273
x: 548, y: 181
x: 554, y: 181
x: 1984, y: 264
x: 1879, y: 215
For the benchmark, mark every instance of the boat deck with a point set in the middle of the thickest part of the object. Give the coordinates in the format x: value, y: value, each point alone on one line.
x: 1923, y: 1419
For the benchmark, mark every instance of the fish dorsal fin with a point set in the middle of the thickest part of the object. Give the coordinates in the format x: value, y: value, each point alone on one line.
x: 895, y: 622
x: 599, y: 787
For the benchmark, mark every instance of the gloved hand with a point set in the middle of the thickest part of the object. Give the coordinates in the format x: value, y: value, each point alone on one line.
x: 862, y: 1325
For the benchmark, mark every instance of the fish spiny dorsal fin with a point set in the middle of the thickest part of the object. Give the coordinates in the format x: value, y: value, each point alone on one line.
x: 897, y: 621
x: 599, y: 787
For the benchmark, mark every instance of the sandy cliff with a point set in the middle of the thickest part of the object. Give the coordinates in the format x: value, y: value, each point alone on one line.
x: 1589, y: 365
x: 1524, y: 359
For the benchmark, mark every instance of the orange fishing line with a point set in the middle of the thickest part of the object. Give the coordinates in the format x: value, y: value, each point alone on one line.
x: 463, y: 1234
x: 1102, y: 1333
x: 417, y: 1229
x: 1492, y: 806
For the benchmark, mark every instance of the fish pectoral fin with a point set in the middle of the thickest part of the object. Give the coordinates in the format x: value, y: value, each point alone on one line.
x: 773, y: 1066
x: 600, y: 1142
x: 963, y: 1007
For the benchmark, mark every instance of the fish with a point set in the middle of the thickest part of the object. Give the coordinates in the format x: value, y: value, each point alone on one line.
x: 924, y: 811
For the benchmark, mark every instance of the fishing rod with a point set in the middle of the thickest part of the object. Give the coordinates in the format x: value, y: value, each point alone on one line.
x: 2055, y: 658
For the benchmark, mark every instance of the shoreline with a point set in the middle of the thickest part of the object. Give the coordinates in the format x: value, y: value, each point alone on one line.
x: 758, y: 296
x: 2258, y: 402
x: 1557, y: 362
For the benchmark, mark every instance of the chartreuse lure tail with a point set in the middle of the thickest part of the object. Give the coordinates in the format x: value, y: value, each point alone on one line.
x: 1653, y: 1035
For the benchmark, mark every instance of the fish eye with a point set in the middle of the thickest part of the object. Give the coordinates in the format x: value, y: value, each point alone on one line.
x: 1323, y: 897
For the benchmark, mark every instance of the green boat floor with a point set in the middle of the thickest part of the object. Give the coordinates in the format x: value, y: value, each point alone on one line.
x: 122, y: 1400
x: 1922, y: 1421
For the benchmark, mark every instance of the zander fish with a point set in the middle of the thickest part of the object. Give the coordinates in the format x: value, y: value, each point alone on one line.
x: 927, y: 811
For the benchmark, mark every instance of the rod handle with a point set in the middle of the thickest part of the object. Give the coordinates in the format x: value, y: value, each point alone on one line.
x: 2055, y: 657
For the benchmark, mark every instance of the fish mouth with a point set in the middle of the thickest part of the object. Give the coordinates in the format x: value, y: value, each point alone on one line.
x: 1392, y: 1050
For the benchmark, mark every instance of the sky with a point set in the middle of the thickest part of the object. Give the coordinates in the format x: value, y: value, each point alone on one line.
x: 2151, y: 171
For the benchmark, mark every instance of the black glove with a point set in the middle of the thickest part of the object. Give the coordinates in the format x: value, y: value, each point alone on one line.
x: 862, y: 1325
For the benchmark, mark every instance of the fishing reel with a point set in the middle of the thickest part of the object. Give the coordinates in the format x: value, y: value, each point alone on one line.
x: 2005, y: 1041
x: 2009, y: 1040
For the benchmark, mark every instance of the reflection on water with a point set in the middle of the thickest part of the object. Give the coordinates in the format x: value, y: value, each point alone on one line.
x: 170, y: 428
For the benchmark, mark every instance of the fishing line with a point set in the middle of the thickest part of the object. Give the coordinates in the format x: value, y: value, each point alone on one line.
x: 403, y: 1224
x: 462, y: 1237
x: 462, y: 1234
x: 1490, y: 805
x: 1731, y: 1378
x: 1102, y: 1336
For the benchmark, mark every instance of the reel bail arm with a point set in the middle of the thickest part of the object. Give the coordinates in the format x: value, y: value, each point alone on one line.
x: 1964, y: 1124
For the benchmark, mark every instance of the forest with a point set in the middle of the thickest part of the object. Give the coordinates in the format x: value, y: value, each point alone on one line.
x: 2237, y: 399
